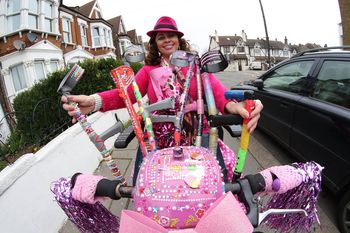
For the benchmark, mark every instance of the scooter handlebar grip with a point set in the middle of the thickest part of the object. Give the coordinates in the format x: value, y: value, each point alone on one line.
x: 257, y: 182
x: 228, y: 119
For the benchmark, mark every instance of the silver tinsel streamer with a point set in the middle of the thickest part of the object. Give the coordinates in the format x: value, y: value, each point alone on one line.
x: 302, y: 197
x: 92, y: 218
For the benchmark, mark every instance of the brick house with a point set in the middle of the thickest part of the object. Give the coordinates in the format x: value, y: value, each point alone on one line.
x: 85, y: 34
x: 29, y: 46
x: 38, y: 37
x: 122, y: 37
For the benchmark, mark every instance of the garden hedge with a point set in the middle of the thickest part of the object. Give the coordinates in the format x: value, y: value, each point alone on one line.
x: 39, y: 113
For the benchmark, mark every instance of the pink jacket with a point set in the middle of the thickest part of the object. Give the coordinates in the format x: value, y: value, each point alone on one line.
x: 112, y: 100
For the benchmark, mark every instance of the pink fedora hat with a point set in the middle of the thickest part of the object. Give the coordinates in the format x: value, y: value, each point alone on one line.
x: 165, y: 24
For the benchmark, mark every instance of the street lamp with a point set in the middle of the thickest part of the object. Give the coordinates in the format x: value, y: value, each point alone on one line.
x: 267, y: 35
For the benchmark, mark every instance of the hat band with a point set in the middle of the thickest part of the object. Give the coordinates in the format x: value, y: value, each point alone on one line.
x: 165, y: 26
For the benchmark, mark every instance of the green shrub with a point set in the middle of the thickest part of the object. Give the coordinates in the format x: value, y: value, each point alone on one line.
x: 3, y: 150
x: 3, y: 164
x: 39, y: 111
x: 14, y: 144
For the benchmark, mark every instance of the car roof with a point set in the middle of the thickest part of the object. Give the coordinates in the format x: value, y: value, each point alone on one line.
x: 324, y: 52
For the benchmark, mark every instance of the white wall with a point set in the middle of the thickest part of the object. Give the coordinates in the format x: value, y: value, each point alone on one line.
x: 26, y: 202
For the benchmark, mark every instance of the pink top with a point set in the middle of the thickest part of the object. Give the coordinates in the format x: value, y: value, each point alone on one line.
x: 112, y: 100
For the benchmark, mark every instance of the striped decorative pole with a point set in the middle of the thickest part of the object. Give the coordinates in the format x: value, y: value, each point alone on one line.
x: 146, y: 118
x: 245, y: 136
x: 66, y: 86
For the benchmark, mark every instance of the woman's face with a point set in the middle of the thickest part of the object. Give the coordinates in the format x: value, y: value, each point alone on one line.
x: 167, y: 43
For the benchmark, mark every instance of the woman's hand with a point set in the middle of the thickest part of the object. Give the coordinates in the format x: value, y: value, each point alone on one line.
x: 85, y: 103
x: 238, y: 108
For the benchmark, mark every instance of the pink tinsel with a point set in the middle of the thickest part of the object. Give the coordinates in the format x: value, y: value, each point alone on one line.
x: 302, y: 197
x: 92, y: 218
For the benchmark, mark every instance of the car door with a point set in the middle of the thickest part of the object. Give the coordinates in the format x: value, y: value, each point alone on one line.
x: 321, y: 126
x: 279, y: 96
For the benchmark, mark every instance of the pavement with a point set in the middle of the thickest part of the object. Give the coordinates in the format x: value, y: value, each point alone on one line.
x: 258, y: 158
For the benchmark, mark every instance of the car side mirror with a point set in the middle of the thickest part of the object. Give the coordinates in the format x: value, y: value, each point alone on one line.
x: 258, y: 83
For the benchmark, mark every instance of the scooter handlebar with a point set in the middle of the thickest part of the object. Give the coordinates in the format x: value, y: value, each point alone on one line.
x: 114, y: 189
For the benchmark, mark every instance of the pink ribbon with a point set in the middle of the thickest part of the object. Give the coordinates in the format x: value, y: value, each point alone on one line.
x: 225, y: 216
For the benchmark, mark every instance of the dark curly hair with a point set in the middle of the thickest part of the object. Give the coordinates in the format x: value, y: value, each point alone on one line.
x: 153, y: 58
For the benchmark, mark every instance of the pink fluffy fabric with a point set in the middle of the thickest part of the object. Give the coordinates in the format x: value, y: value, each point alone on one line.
x: 85, y: 188
x: 289, y: 178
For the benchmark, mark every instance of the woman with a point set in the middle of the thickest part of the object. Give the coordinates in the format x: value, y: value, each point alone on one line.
x: 165, y: 39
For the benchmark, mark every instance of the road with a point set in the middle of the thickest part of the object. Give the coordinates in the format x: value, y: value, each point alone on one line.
x: 275, y: 154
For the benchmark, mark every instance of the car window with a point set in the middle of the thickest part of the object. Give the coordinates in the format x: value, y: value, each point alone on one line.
x: 289, y: 77
x: 333, y: 83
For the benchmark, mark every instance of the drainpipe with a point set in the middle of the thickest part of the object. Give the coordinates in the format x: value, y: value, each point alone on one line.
x: 5, y: 103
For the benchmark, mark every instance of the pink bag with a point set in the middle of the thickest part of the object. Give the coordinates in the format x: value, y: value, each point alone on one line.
x: 176, y: 193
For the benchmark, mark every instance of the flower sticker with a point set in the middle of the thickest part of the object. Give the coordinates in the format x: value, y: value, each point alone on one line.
x: 164, y: 221
x: 199, y: 213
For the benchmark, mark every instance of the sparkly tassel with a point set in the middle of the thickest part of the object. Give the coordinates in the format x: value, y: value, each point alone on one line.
x: 302, y: 197
x: 87, y: 217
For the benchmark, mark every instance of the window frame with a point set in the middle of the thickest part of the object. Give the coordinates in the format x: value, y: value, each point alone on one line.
x: 240, y: 49
x: 54, y: 61
x: 35, y: 14
x: 257, y: 51
x: 12, y: 15
x: 67, y: 33
x: 22, y: 82
x: 96, y: 37
x: 83, y: 35
x: 109, y: 38
x: 227, y: 49
x: 44, y: 69
x: 46, y: 18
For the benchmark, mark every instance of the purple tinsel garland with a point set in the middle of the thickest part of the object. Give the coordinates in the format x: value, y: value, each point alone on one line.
x: 94, y: 218
x: 302, y: 197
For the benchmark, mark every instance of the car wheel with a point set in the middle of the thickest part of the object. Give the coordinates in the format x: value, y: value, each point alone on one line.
x: 344, y: 213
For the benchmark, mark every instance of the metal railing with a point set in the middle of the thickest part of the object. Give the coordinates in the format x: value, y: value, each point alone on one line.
x: 45, y: 122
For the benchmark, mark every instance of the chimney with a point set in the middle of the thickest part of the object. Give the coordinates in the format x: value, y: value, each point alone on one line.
x: 244, y: 36
x: 216, y: 36
x: 285, y: 40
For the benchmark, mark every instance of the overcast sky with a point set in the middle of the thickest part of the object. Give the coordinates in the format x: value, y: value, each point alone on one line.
x: 302, y: 21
